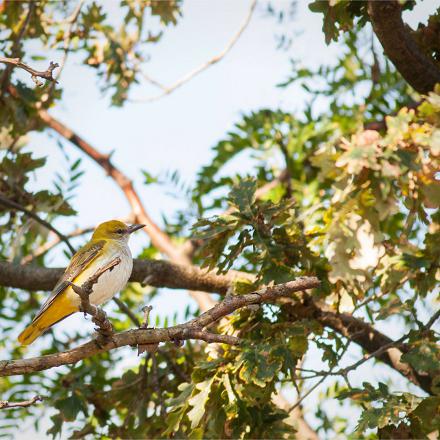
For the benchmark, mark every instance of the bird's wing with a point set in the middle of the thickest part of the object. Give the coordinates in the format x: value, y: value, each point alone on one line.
x: 77, y: 264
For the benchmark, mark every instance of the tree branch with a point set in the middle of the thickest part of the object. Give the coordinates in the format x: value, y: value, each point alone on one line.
x: 175, y: 276
x: 159, y: 273
x: 35, y: 74
x: 14, y: 205
x: 166, y: 90
x: 193, y: 329
x: 399, y: 46
x: 4, y: 404
x: 371, y: 340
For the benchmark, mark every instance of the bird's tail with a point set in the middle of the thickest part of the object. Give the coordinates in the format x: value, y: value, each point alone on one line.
x: 61, y: 308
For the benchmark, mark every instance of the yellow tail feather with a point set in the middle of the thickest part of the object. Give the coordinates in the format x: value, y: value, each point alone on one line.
x: 61, y: 308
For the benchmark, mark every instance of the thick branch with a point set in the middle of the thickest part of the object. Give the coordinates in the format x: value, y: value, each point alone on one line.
x: 363, y: 334
x: 193, y: 329
x: 399, y: 46
x: 35, y: 74
x: 157, y: 273
x: 166, y: 274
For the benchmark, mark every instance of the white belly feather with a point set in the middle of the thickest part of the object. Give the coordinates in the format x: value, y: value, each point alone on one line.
x: 110, y: 282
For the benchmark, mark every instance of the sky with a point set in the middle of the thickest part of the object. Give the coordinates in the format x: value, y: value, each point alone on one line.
x: 179, y: 131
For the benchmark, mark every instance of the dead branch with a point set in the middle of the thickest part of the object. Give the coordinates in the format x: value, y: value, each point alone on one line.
x: 166, y: 90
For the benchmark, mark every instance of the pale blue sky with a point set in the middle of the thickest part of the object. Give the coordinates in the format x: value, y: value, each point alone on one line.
x: 178, y: 131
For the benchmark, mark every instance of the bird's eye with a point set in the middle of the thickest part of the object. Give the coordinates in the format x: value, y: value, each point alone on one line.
x: 119, y: 231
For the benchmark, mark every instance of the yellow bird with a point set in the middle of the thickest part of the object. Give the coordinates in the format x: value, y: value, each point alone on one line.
x: 109, y: 241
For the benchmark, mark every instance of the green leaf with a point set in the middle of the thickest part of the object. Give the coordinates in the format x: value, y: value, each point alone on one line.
x: 70, y: 407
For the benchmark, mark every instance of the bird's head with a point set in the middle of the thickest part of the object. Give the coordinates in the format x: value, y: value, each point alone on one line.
x: 114, y: 230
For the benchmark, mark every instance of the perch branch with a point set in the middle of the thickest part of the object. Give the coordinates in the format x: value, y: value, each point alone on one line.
x: 175, y: 276
x: 193, y: 329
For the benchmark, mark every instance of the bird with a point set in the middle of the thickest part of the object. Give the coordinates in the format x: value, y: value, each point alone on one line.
x: 109, y: 241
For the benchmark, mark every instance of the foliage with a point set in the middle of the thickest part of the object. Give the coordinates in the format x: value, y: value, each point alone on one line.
x: 358, y: 207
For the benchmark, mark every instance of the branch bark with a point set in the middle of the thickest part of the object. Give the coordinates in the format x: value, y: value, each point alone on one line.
x: 175, y: 276
x: 399, y: 46
x: 4, y: 404
x: 158, y: 273
x: 35, y: 74
x: 193, y: 329
x: 363, y: 334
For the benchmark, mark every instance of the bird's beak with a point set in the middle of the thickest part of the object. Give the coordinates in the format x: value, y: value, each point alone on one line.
x: 133, y: 228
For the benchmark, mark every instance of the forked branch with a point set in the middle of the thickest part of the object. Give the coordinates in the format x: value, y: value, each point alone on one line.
x: 193, y: 329
x: 35, y: 74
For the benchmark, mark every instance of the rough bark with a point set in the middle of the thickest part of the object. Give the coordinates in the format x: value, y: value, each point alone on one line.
x: 399, y: 46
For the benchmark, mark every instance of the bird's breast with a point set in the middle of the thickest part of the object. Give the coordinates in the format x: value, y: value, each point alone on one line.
x: 111, y: 281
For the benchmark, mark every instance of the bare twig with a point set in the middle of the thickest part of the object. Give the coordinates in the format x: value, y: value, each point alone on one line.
x: 16, y: 46
x: 14, y: 205
x: 189, y: 76
x: 71, y: 20
x: 146, y: 310
x: 126, y: 310
x: 84, y: 291
x: 193, y: 329
x: 432, y: 320
x: 35, y: 74
x: 4, y: 404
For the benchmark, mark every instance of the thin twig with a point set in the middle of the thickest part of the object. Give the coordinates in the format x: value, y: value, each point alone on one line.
x: 189, y: 76
x: 14, y: 205
x: 35, y: 74
x: 4, y: 404
x: 126, y: 310
x: 16, y: 47
x: 431, y: 322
